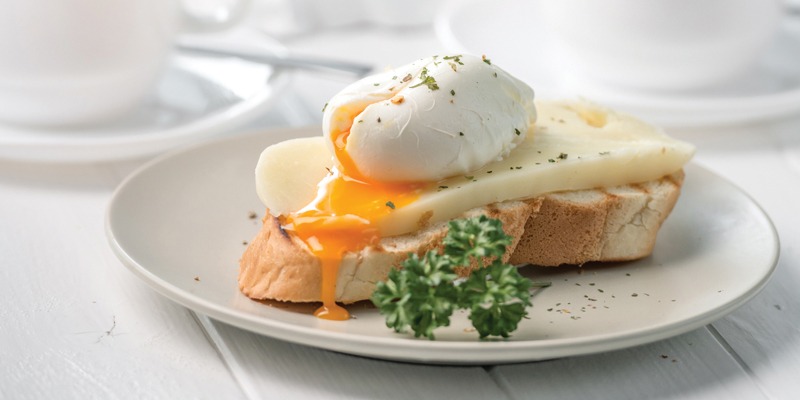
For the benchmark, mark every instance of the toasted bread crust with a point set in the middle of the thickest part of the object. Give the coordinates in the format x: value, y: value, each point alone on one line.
x: 612, y: 224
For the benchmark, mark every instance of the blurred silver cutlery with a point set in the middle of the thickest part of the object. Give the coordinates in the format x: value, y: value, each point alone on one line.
x: 291, y: 61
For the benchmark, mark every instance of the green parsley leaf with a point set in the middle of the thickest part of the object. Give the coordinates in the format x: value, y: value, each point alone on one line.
x: 427, y: 80
x: 423, y: 296
x: 456, y: 59
x: 496, y: 297
x: 475, y: 238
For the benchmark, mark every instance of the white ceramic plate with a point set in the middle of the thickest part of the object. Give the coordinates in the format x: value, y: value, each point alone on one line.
x: 197, y: 98
x: 511, y: 33
x: 185, y: 216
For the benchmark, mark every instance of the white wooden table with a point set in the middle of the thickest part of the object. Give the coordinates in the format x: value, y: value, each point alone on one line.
x: 74, y: 323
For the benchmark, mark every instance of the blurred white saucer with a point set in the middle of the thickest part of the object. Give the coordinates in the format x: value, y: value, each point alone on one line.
x: 509, y: 33
x: 198, y: 97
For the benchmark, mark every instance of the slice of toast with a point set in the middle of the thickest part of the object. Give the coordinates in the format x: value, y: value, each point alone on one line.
x: 575, y: 227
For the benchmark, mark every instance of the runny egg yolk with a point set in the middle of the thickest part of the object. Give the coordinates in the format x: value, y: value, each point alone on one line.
x: 342, y: 218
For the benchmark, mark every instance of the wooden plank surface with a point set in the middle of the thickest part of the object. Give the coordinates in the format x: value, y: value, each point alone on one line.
x: 271, y: 369
x: 690, y: 366
x: 75, y: 322
x: 765, y: 333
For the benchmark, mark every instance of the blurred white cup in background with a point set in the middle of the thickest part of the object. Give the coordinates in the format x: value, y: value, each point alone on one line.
x: 78, y: 62
x: 659, y: 45
x: 285, y: 18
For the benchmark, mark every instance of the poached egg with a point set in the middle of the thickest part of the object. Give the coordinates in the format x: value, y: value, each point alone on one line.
x: 434, y: 118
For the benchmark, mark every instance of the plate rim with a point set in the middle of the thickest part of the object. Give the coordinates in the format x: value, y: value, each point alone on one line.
x: 437, y: 352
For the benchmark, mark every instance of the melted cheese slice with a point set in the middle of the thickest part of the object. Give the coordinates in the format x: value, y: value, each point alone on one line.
x: 573, y: 146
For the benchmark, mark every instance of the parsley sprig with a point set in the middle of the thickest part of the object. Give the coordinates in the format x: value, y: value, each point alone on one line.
x: 423, y: 294
x: 496, y: 297
x: 475, y: 238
